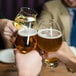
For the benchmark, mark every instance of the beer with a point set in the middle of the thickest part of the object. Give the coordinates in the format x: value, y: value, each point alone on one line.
x: 26, y: 40
x: 22, y: 20
x: 49, y: 40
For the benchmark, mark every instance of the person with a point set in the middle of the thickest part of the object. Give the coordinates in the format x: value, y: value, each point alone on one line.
x: 66, y: 56
x: 62, y: 12
x: 61, y: 54
x: 5, y: 26
x: 29, y: 64
x: 57, y: 10
x: 24, y: 62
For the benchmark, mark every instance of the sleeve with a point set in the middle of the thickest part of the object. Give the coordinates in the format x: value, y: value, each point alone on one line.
x: 73, y: 49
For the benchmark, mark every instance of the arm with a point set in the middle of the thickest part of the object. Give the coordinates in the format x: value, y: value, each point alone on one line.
x: 65, y: 55
x: 28, y: 64
x: 68, y: 57
x: 7, y: 29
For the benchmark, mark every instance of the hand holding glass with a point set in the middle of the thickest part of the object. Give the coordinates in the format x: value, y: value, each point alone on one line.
x: 49, y: 40
x: 26, y: 39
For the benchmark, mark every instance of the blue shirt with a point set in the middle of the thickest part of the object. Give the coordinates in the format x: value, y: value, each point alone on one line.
x: 72, y: 16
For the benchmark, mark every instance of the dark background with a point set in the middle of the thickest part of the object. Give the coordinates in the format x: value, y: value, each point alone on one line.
x: 11, y: 7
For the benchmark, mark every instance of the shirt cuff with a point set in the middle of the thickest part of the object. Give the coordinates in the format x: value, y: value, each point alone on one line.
x: 73, y: 49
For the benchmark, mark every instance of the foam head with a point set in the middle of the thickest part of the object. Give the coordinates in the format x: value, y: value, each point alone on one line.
x: 49, y: 33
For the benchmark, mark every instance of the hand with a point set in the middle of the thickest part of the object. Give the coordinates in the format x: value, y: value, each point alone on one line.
x: 28, y: 64
x: 65, y: 55
x: 7, y: 31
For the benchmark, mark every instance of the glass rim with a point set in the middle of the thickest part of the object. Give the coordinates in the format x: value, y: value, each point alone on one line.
x: 31, y: 10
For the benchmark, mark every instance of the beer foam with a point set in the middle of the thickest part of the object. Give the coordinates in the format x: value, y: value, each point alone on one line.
x: 46, y: 33
x: 26, y: 32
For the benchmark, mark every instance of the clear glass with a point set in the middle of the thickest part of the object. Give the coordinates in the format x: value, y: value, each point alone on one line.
x: 26, y: 38
x: 49, y: 40
x: 25, y: 18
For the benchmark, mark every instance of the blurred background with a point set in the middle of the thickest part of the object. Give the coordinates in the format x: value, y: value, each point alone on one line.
x: 10, y: 8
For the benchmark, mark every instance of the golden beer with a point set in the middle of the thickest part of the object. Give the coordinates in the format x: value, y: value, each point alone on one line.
x: 22, y: 21
x: 26, y: 40
x: 25, y: 17
x: 49, y: 40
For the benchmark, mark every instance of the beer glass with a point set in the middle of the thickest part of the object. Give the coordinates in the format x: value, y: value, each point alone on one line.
x: 25, y: 18
x: 49, y: 40
x: 26, y: 38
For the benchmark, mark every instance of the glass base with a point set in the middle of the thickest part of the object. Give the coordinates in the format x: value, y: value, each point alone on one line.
x: 53, y: 65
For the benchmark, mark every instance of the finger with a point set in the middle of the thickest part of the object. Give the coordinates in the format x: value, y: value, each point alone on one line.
x: 7, y: 34
x: 7, y: 37
x: 12, y: 28
x: 7, y: 29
